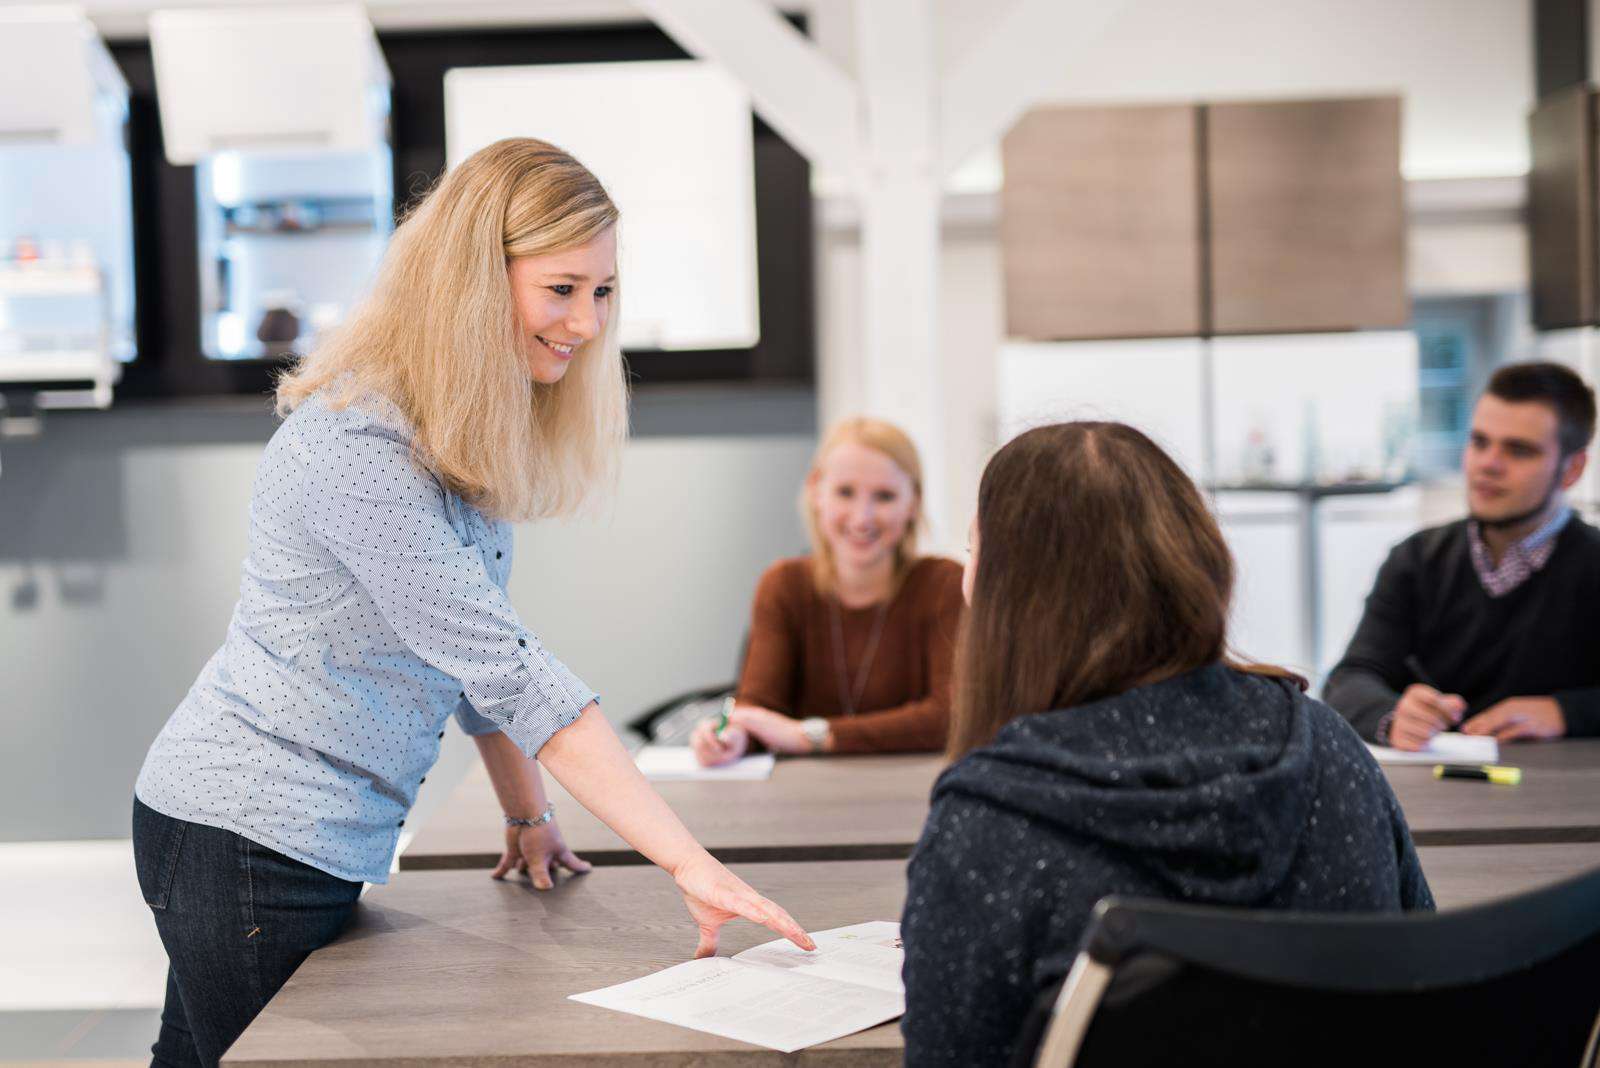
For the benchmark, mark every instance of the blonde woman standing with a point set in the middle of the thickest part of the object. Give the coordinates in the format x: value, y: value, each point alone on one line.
x: 851, y: 646
x: 480, y: 383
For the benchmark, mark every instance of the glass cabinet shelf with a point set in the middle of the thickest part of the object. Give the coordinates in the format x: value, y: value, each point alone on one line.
x: 295, y: 217
x: 288, y: 243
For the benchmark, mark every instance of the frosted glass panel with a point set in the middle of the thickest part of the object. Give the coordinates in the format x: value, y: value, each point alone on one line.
x: 671, y: 140
x: 1153, y: 384
x: 1327, y: 407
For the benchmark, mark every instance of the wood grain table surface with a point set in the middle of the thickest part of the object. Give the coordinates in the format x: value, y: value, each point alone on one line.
x: 872, y: 808
x: 1557, y: 801
x: 454, y: 968
x: 1462, y: 876
x: 816, y: 808
x: 451, y: 968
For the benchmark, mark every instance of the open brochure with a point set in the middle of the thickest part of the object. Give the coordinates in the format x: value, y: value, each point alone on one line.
x: 676, y: 763
x: 775, y: 994
x: 1447, y: 747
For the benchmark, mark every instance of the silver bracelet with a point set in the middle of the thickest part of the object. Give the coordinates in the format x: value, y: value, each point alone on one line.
x: 544, y: 817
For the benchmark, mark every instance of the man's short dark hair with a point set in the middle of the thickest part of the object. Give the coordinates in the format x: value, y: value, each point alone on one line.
x: 1554, y: 385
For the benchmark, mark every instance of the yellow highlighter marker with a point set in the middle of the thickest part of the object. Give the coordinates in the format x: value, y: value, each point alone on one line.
x: 1495, y: 773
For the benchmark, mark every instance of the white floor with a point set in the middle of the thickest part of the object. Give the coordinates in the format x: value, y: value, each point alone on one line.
x: 82, y: 973
x: 76, y: 932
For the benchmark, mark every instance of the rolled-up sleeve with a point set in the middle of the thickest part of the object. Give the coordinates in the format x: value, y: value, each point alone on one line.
x: 383, y: 517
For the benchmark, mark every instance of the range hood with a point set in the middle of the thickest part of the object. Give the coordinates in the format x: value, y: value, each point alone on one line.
x: 277, y: 79
x: 53, y: 69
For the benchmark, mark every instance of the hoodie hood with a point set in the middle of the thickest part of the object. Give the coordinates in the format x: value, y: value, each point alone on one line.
x: 1205, y: 780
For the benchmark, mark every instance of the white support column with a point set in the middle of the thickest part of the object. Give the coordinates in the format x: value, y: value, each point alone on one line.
x: 1002, y: 75
x: 795, y: 88
x: 900, y: 234
x: 894, y: 131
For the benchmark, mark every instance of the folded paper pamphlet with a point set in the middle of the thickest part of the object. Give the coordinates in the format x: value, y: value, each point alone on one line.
x: 775, y: 994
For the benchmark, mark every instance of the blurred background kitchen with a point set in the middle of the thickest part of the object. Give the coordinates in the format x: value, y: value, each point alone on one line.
x: 1289, y: 239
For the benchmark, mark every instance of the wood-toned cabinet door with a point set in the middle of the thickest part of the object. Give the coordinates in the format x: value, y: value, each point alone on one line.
x: 1561, y: 209
x: 1100, y: 223
x: 1307, y: 215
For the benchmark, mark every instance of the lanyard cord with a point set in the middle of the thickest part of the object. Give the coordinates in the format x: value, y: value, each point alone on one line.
x: 851, y: 696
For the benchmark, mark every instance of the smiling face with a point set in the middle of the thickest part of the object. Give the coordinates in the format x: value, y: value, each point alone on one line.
x: 864, y: 505
x: 562, y: 300
x: 1513, y: 461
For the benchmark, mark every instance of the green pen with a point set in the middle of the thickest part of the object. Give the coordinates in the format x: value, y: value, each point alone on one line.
x: 722, y: 720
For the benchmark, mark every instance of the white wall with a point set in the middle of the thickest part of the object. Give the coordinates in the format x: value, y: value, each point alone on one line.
x: 121, y: 536
x: 1464, y: 67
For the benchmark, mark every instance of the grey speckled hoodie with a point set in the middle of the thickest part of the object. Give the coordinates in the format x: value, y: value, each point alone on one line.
x: 1213, y: 787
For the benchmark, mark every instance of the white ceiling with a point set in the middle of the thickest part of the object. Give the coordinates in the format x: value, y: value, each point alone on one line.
x: 128, y: 18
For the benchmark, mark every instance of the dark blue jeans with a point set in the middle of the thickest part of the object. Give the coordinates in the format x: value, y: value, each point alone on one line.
x: 236, y: 919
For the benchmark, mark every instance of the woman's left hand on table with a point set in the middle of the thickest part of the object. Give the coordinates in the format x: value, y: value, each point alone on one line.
x: 537, y: 850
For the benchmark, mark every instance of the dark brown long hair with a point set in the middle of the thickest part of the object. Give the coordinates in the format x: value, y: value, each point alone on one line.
x: 1100, y: 569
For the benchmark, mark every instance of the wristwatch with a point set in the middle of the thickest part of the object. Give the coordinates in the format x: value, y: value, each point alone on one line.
x: 815, y: 728
x: 1385, y: 725
x: 542, y: 818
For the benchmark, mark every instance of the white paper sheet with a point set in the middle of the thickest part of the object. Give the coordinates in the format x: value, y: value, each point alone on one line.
x: 1448, y: 747
x: 776, y: 995
x: 866, y: 954
x: 666, y: 763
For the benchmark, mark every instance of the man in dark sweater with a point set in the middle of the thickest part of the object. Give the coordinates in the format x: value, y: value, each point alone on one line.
x: 1491, y: 624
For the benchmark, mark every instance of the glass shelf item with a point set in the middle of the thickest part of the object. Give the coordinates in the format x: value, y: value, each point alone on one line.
x: 287, y: 243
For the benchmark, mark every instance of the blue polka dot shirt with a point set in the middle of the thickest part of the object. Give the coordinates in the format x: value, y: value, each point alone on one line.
x: 373, y: 607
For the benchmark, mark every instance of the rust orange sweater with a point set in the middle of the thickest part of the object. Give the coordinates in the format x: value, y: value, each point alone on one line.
x: 905, y: 701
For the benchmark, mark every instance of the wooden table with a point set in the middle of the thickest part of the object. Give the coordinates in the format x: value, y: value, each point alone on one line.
x: 454, y: 968
x: 1462, y: 876
x: 816, y: 808
x: 1558, y: 800
x: 872, y: 808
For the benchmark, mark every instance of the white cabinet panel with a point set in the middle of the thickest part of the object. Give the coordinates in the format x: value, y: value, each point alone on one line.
x: 283, y: 79
x: 672, y: 143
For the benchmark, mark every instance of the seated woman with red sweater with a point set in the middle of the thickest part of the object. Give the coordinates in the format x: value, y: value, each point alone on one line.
x: 850, y: 646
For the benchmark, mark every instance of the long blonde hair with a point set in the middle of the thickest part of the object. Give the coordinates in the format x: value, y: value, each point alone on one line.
x: 881, y: 437
x: 438, y: 337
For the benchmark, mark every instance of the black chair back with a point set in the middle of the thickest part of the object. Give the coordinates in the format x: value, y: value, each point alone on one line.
x: 1512, y: 982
